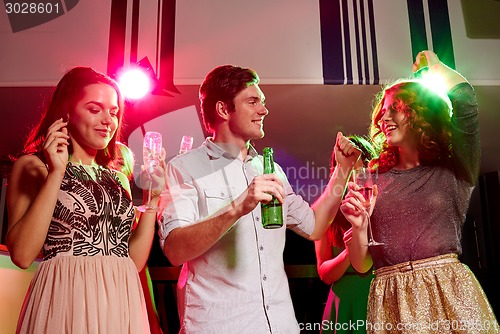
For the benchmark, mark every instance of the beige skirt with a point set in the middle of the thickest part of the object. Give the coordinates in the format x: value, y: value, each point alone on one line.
x: 434, y: 295
x: 83, y: 295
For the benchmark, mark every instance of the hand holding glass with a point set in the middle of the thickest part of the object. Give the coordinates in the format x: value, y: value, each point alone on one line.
x: 151, y: 151
x: 363, y: 178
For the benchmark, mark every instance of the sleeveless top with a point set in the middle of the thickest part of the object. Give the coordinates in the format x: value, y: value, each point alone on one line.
x: 93, y: 215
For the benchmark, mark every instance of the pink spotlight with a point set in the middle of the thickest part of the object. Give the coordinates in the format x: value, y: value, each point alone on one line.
x: 134, y: 83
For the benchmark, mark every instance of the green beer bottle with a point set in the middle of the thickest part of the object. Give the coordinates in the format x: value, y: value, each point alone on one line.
x: 272, y: 214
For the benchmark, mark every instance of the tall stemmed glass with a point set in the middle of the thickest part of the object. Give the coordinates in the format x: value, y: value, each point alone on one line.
x: 363, y: 178
x: 186, y: 144
x: 151, y: 151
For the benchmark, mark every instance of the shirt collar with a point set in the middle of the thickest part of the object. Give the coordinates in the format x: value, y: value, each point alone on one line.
x: 216, y: 151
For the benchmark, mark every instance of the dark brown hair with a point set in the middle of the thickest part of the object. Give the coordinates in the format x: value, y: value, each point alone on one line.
x: 63, y: 101
x: 223, y: 83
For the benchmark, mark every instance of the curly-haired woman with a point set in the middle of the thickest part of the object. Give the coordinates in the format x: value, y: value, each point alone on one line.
x: 428, y: 164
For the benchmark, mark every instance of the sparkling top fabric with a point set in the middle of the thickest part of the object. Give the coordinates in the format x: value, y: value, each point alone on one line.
x: 420, y: 211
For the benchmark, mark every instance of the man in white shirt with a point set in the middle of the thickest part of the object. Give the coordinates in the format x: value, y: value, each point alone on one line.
x: 233, y: 277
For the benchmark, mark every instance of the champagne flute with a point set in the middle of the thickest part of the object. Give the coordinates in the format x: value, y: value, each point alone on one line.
x: 363, y: 178
x: 186, y: 144
x: 151, y: 151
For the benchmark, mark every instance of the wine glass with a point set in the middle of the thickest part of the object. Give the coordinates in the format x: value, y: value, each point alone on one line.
x: 186, y: 144
x: 151, y: 151
x: 363, y: 178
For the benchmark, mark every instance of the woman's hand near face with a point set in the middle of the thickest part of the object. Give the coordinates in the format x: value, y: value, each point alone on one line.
x: 55, y: 146
x: 32, y: 195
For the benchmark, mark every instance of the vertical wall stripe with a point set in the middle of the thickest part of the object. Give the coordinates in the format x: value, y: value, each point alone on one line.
x: 119, y: 37
x: 428, y: 28
x: 331, y: 42
x: 117, y: 28
x: 358, y: 42
x: 128, y: 33
x: 348, y: 79
x: 167, y: 44
x: 365, y: 44
x: 348, y: 42
x: 158, y: 25
x: 417, y: 27
x: 134, y: 37
x: 441, y: 31
x: 373, y: 42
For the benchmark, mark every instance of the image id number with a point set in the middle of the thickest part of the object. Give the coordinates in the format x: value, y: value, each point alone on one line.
x: 32, y: 8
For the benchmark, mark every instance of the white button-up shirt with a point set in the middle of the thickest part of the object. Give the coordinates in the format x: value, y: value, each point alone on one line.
x: 239, y: 285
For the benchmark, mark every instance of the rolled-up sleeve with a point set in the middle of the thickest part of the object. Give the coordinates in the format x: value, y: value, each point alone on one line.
x: 180, y: 202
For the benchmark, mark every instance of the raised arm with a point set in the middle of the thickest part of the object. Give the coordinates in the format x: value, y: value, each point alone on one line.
x: 32, y: 195
x: 327, y: 205
x: 465, y: 118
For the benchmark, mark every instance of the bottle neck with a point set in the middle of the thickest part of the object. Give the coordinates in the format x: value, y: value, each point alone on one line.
x: 268, y: 164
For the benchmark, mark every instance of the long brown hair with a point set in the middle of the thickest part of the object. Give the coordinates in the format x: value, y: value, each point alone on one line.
x: 428, y: 115
x: 335, y: 233
x: 63, y: 101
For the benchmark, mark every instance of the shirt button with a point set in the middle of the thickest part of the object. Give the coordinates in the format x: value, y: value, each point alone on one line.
x: 257, y: 218
x: 264, y: 278
x: 267, y: 307
x: 261, y: 248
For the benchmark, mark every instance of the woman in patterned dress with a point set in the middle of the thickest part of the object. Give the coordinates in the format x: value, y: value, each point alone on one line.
x: 65, y: 202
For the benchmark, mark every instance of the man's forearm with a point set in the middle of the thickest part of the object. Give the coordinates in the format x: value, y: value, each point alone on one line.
x: 186, y: 243
x: 327, y: 206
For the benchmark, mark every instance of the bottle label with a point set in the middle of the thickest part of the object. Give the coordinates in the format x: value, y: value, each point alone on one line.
x: 272, y: 215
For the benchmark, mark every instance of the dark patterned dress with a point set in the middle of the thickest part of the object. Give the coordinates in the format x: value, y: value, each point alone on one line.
x: 87, y: 283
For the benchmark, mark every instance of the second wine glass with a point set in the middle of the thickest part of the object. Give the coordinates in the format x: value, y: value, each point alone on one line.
x: 363, y: 178
x: 186, y: 144
x: 151, y: 151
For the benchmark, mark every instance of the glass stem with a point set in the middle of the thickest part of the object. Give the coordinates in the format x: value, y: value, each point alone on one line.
x: 149, y: 192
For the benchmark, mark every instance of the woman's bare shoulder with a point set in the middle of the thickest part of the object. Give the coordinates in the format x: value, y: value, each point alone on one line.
x: 30, y: 164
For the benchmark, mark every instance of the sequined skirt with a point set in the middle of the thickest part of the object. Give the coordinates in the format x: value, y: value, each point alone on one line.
x: 434, y: 295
